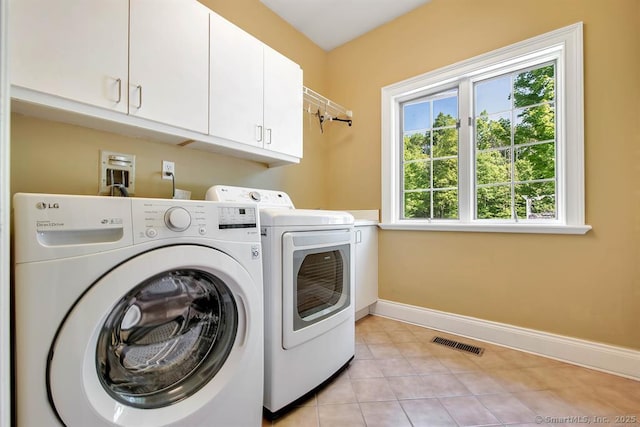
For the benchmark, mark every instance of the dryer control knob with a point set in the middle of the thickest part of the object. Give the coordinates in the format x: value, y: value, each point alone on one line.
x: 177, y: 219
x: 255, y: 196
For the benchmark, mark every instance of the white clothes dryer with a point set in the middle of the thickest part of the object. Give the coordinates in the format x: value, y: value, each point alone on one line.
x: 309, y: 297
x: 137, y: 312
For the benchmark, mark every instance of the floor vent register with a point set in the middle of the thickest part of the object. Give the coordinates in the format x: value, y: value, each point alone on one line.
x: 467, y: 348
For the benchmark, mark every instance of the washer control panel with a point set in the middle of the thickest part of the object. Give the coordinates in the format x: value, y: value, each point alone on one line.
x: 56, y: 226
x: 177, y: 218
x: 162, y: 219
x: 236, y: 217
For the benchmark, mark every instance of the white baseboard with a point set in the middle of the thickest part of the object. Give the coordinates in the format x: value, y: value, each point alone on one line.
x: 362, y: 313
x: 603, y: 357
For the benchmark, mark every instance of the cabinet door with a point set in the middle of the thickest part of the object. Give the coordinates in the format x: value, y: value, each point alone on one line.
x: 236, y: 84
x: 366, y: 289
x: 169, y: 63
x: 282, y: 104
x: 75, y: 49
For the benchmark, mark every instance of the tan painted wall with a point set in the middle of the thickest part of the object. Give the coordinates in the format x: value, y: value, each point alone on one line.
x: 59, y: 158
x: 581, y: 286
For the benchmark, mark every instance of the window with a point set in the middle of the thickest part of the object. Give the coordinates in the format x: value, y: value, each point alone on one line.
x: 430, y: 156
x: 494, y: 143
x: 515, y: 145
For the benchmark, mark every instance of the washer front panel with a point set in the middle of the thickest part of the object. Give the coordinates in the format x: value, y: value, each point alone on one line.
x: 119, y: 321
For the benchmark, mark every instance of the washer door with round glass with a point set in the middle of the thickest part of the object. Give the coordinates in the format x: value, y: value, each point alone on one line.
x: 144, y: 345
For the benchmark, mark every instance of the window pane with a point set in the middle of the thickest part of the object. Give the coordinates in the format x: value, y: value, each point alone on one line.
x: 416, y: 175
x: 430, y: 155
x: 493, y: 167
x: 535, y: 162
x: 494, y: 202
x: 516, y: 144
x: 445, y: 111
x: 536, y: 200
x: 417, y: 146
x: 445, y: 173
x: 534, y: 86
x: 493, y: 131
x: 535, y: 124
x: 416, y: 116
x: 493, y: 96
x: 445, y: 204
x: 417, y: 205
x: 445, y: 142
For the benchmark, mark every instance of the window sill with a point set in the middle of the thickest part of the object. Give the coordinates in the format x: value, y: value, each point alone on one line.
x: 489, y: 228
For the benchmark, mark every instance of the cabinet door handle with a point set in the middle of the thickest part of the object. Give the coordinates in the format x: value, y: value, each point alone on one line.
x: 358, y: 236
x: 268, y: 135
x: 139, y: 87
x: 119, y: 81
x: 259, y: 133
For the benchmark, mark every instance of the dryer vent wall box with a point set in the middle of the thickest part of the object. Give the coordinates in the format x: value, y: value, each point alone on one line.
x: 92, y: 279
x: 117, y: 169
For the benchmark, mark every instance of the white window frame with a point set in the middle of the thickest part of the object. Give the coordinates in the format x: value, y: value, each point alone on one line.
x: 564, y: 46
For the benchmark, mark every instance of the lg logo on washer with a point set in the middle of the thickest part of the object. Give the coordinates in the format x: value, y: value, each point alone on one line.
x: 44, y: 205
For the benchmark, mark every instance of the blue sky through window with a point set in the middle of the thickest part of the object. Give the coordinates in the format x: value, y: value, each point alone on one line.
x: 493, y: 96
x: 418, y: 116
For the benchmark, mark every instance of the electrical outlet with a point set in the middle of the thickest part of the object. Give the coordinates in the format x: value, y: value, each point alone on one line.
x: 167, y: 168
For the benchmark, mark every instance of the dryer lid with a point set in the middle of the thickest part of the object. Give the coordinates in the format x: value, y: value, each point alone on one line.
x: 273, y: 217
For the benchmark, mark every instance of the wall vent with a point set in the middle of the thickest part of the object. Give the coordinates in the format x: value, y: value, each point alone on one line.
x: 467, y: 348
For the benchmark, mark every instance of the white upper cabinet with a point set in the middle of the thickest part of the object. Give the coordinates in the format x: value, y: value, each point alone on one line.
x: 282, y: 104
x: 256, y: 93
x: 236, y: 110
x: 72, y: 49
x: 169, y: 62
x: 147, y: 58
x: 170, y: 70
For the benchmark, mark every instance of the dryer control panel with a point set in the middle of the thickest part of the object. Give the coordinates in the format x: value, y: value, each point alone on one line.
x: 264, y: 198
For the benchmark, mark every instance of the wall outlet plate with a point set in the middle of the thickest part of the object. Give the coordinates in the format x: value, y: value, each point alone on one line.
x: 117, y: 168
x: 168, y: 166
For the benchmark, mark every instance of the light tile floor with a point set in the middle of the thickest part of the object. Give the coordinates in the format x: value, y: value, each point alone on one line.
x: 399, y: 378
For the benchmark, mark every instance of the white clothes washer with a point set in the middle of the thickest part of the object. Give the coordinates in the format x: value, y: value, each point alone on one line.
x: 137, y: 312
x: 309, y: 300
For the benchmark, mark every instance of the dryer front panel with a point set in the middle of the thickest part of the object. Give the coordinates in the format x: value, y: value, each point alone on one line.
x: 154, y: 340
x: 317, y: 283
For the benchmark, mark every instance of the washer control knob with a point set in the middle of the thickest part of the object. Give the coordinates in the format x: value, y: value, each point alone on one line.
x: 255, y: 196
x: 177, y: 219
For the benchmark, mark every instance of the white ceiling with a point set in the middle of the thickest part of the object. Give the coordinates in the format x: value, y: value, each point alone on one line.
x: 331, y: 23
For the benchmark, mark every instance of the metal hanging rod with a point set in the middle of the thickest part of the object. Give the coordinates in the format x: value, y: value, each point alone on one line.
x: 313, y: 102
